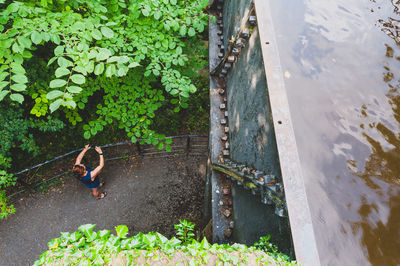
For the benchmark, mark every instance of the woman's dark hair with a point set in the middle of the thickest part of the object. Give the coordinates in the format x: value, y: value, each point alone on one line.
x: 78, y: 170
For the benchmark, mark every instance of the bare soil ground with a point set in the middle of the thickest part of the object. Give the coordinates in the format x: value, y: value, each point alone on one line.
x: 146, y: 194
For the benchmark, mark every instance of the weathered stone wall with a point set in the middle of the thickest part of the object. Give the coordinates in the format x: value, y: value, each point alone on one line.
x: 251, y: 134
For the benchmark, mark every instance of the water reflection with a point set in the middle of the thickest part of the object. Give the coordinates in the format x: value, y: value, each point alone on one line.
x: 391, y: 26
x: 344, y: 99
x: 380, y: 220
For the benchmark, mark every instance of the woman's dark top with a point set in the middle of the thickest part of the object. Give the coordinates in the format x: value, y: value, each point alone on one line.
x: 87, y: 181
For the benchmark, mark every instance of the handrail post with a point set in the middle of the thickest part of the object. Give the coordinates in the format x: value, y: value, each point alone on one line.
x: 26, y: 185
x: 139, y: 148
x: 187, y: 146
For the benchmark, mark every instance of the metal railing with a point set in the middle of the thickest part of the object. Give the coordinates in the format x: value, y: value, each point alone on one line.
x: 39, y: 174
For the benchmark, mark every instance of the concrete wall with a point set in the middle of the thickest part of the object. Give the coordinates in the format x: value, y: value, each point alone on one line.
x: 252, y: 138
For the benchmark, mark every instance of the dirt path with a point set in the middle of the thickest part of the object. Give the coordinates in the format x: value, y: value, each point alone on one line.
x: 149, y: 194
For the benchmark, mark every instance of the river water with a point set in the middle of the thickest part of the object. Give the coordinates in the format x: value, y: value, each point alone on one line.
x: 341, y: 64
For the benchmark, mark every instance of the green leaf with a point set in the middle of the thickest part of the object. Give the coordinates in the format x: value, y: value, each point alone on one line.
x: 78, y: 79
x: 56, y: 83
x: 191, y: 32
x: 59, y: 50
x: 17, y: 68
x: 3, y: 94
x: 16, y: 49
x: 3, y: 75
x: 103, y: 234
x: 19, y: 78
x: 122, y: 71
x: 92, y: 54
x: 110, y: 71
x: 3, y: 84
x: 204, y: 244
x: 54, y: 94
x: 98, y: 70
x: 172, y: 45
x: 17, y: 97
x: 78, y: 26
x: 157, y: 15
x: 75, y: 237
x: 107, y: 32
x: 122, y: 231
x: 70, y: 104
x: 113, y: 59
x: 145, y: 12
x: 51, y: 61
x: 150, y: 240
x: 201, y: 27
x: 55, y: 38
x: 192, y: 88
x: 173, y: 2
x: 18, y: 59
x: 74, y: 89
x: 86, y: 135
x: 161, y: 146
x: 168, y: 148
x: 25, y: 42
x: 36, y: 37
x: 165, y: 43
x: 80, y: 69
x: 6, y: 43
x: 61, y: 71
x: 123, y: 59
x: 13, y: 7
x: 87, y: 229
x: 62, y: 62
x: 54, y: 243
x: 103, y: 54
x: 133, y: 64
x: 96, y: 34
x: 18, y: 87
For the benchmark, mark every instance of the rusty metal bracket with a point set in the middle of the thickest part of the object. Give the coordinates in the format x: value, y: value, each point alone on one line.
x: 232, y: 45
x: 266, y: 185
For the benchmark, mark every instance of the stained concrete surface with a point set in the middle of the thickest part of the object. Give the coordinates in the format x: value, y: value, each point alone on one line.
x: 251, y: 133
x: 149, y: 194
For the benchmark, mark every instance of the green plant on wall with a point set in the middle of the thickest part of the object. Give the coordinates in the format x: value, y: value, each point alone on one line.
x: 88, y: 247
x: 185, y: 231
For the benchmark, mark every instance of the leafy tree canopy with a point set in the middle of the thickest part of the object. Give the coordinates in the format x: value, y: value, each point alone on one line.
x: 57, y: 56
x: 94, y: 42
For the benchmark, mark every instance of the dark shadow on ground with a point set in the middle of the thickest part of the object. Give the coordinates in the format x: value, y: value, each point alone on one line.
x: 149, y: 194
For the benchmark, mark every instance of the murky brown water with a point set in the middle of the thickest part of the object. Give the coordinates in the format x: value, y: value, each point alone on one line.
x: 341, y: 61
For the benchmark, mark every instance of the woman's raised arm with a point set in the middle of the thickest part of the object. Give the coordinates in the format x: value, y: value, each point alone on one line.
x: 80, y: 156
x: 97, y: 170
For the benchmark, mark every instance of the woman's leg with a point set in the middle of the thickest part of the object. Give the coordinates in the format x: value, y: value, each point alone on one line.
x: 95, y: 192
x: 98, y: 195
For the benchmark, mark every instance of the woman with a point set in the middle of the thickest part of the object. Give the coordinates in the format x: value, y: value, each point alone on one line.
x: 89, y: 177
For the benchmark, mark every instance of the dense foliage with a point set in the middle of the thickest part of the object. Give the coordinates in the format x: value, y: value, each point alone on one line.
x: 127, y: 59
x: 87, y: 247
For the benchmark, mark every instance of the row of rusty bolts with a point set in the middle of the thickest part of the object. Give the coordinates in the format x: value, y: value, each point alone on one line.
x: 228, y: 60
x: 233, y: 51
